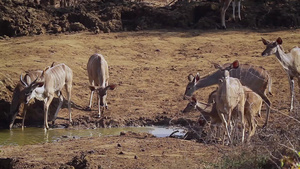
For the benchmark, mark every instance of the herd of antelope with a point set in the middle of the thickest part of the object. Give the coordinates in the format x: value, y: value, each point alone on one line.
x: 242, y: 88
x: 44, y: 85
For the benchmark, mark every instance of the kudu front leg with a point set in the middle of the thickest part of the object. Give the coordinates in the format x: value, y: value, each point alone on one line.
x: 46, y: 109
x: 91, y: 100
x: 291, y: 81
x: 100, y: 108
x: 24, y: 115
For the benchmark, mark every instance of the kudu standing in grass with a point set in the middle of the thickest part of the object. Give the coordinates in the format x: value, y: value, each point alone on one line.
x: 289, y: 61
x: 224, y: 6
x: 253, y: 104
x: 230, y: 97
x: 98, y: 77
x: 256, y: 78
x: 55, y: 78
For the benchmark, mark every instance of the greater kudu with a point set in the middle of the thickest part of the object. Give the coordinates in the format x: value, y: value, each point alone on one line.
x: 230, y: 96
x: 289, y: 61
x: 208, y: 110
x: 55, y: 78
x: 19, y: 94
x: 253, y: 103
x: 18, y: 97
x: 254, y: 77
x: 98, y: 77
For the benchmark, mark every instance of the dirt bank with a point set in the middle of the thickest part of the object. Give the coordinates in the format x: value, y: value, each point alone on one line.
x: 19, y: 18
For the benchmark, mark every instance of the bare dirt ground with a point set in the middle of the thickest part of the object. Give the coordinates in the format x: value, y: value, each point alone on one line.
x: 150, y: 69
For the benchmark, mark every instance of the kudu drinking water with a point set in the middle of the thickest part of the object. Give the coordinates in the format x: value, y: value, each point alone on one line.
x: 55, y: 78
x: 254, y: 77
x: 18, y: 97
x: 208, y: 110
x: 289, y: 61
x: 97, y: 68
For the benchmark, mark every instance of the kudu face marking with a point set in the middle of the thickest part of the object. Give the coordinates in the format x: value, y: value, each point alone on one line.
x: 271, y: 47
x: 33, y: 91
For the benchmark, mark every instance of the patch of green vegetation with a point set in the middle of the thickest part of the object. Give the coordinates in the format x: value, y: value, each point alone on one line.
x: 245, y: 160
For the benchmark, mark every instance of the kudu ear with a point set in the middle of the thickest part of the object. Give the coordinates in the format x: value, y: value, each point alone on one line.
x: 235, y: 64
x: 112, y: 86
x: 279, y: 41
x: 265, y: 41
x: 197, y: 78
x: 92, y: 88
x: 190, y: 77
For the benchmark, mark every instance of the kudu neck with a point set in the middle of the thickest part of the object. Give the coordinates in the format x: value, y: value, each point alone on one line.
x: 284, y: 58
x: 208, y: 80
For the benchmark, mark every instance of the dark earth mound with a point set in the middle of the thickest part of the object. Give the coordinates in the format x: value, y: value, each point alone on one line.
x: 19, y: 18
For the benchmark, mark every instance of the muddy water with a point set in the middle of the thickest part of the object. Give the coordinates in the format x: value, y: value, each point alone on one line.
x: 38, y: 135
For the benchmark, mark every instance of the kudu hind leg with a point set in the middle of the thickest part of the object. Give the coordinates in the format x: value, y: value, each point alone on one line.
x: 69, y: 89
x: 61, y: 99
x: 268, y: 108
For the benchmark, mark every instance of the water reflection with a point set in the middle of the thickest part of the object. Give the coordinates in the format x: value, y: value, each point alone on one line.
x: 38, y: 135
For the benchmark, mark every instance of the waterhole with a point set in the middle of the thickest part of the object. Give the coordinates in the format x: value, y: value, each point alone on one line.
x: 38, y: 135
